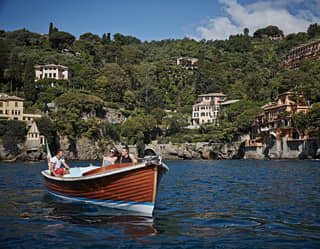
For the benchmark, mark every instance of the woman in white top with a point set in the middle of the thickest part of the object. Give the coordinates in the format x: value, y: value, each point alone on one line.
x: 111, y: 159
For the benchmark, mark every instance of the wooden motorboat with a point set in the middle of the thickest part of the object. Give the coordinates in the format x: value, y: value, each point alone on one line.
x: 122, y: 186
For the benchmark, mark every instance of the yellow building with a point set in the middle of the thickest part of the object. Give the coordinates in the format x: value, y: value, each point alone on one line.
x: 11, y: 108
x: 276, y: 120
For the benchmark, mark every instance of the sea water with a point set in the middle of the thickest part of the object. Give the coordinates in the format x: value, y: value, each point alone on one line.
x: 200, y: 204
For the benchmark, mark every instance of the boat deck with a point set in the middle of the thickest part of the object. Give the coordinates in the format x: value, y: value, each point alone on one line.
x: 77, y: 172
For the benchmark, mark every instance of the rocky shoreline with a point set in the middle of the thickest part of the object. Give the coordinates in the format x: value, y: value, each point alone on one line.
x: 86, y: 150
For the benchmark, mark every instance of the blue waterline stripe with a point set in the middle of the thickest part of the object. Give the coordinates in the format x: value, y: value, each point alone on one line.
x: 107, y: 201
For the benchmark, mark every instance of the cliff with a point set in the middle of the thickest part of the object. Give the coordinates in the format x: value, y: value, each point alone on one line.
x: 88, y: 150
x: 21, y: 154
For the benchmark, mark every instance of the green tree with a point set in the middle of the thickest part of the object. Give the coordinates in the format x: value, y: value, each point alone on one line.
x: 4, y: 57
x: 267, y: 31
x: 246, y: 31
x: 112, y: 83
x: 29, y: 89
x: 314, y: 120
x: 50, y: 28
x: 60, y: 40
x: 15, y: 70
x: 12, y: 133
x: 313, y: 30
x: 90, y: 37
x: 48, y: 129
x: 125, y: 40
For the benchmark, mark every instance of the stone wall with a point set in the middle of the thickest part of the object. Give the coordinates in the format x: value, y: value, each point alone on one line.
x: 285, y: 149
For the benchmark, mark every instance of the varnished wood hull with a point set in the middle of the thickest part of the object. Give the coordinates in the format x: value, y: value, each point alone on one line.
x: 124, y: 186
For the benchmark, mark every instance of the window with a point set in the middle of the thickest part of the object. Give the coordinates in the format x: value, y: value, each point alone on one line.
x: 1, y: 112
x: 196, y: 115
x: 54, y: 75
x: 203, y: 114
x: 16, y: 104
x: 46, y: 75
x: 207, y: 98
x: 1, y: 104
x: 50, y: 75
x: 40, y: 76
x: 62, y: 76
x: 208, y: 121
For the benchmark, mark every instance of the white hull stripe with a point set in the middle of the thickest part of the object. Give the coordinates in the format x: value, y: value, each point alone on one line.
x: 136, y: 206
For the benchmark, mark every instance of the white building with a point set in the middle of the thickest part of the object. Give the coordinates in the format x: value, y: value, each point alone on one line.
x: 51, y: 71
x: 208, y: 108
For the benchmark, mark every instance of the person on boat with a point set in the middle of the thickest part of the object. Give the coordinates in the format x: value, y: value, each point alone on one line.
x: 56, y: 162
x: 111, y: 159
x: 127, y: 157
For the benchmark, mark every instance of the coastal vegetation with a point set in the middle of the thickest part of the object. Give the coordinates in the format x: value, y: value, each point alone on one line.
x: 144, y: 82
x: 12, y: 133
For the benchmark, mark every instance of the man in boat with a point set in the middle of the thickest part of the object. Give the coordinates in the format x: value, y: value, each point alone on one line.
x: 56, y: 162
x: 127, y: 157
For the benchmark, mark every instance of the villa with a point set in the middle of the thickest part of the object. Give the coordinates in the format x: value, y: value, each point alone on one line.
x: 208, y: 108
x: 51, y: 71
x: 276, y: 120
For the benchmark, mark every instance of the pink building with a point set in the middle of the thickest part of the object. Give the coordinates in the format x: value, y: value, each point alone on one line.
x: 208, y: 108
x: 187, y: 62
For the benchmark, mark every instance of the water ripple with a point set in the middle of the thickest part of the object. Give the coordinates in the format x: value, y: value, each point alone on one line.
x: 200, y: 204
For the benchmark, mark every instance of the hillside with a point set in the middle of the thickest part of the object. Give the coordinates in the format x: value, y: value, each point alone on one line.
x: 143, y: 79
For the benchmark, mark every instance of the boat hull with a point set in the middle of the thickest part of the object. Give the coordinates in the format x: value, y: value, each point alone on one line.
x: 129, y: 187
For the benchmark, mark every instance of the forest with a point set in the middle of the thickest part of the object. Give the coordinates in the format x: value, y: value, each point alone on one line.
x: 144, y: 82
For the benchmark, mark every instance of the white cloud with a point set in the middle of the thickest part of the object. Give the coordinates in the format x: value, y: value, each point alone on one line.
x: 258, y: 15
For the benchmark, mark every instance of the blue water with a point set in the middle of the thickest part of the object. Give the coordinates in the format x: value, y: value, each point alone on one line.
x: 200, y: 204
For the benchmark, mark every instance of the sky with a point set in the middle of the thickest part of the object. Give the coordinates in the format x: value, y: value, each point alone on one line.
x: 159, y: 19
